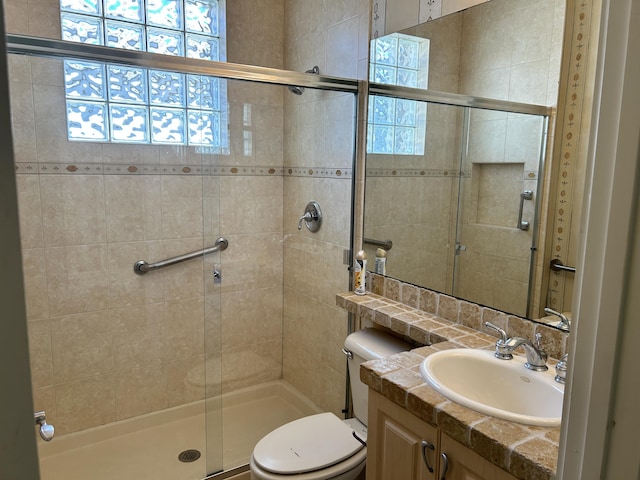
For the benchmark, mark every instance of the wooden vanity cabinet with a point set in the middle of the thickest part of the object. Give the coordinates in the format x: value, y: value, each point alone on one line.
x: 465, y: 464
x: 395, y: 443
x: 400, y: 446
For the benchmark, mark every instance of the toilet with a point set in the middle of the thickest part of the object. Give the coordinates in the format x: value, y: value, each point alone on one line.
x: 322, y: 446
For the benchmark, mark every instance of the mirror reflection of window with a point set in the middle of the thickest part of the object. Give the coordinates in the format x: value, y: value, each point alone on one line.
x: 114, y: 103
x: 397, y: 126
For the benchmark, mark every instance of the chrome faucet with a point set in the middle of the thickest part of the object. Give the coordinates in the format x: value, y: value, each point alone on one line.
x: 536, y: 357
x: 565, y: 323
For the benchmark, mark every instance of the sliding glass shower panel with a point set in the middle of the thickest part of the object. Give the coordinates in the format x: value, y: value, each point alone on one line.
x: 501, y: 167
x: 119, y: 359
x: 411, y: 200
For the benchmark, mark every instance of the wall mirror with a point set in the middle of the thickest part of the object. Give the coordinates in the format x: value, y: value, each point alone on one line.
x: 450, y: 186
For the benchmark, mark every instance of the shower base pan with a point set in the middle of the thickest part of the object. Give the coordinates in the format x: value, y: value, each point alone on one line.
x: 148, y: 446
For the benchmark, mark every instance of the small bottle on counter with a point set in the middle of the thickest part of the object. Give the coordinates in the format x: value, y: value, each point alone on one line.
x: 381, y: 261
x: 360, y: 270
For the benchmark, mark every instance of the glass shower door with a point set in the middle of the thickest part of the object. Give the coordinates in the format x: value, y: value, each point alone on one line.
x: 499, y: 186
x: 118, y: 359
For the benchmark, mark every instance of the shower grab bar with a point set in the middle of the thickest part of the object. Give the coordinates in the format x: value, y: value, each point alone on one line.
x: 557, y: 266
x: 141, y: 267
x: 386, y: 244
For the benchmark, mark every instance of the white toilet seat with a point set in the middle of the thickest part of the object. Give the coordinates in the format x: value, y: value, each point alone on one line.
x: 317, y: 447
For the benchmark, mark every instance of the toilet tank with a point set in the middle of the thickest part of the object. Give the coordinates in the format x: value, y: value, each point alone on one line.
x: 368, y: 344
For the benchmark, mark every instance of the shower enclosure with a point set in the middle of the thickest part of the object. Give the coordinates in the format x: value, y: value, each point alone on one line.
x: 178, y: 372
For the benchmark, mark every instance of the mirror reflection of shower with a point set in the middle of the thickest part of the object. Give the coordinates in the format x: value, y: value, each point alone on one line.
x: 298, y: 90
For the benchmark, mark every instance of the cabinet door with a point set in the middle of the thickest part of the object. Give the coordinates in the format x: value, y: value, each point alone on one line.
x: 464, y: 464
x: 396, y: 443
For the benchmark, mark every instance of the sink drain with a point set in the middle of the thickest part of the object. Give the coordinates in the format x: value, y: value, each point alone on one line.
x: 189, y: 456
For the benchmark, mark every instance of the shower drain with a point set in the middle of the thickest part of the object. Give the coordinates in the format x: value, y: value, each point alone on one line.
x: 189, y: 456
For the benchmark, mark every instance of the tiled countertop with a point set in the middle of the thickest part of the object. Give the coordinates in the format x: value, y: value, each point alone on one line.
x: 527, y: 452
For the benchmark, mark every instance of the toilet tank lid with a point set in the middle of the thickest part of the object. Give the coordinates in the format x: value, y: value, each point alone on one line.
x: 372, y: 344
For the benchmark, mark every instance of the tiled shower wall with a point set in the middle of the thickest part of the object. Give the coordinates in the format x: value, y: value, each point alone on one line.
x: 319, y: 142
x: 106, y: 344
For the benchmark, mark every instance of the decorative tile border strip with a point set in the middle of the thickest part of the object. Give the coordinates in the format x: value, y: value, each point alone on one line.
x: 572, y: 129
x: 321, y: 172
x: 415, y: 172
x: 137, y: 169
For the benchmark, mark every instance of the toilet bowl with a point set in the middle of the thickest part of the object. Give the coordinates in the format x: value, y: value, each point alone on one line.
x: 322, y: 446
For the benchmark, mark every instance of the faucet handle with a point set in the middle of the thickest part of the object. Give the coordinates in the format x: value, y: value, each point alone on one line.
x: 561, y: 369
x: 541, y: 352
x: 538, y: 341
x: 307, y: 217
x: 502, y: 333
x: 502, y: 350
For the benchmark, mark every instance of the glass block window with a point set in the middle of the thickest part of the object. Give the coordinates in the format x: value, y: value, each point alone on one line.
x: 115, y: 103
x: 398, y: 126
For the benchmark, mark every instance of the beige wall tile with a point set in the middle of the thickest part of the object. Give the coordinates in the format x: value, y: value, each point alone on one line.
x: 44, y: 21
x: 23, y: 122
x: 181, y: 206
x: 141, y: 390
x: 17, y: 17
x: 251, y: 364
x: 342, y: 57
x: 29, y: 209
x: 85, y: 403
x: 73, y: 209
x: 124, y: 210
x: 35, y: 283
x: 184, y: 329
x: 40, y: 354
x: 133, y: 206
x: 340, y: 132
x: 307, y: 261
x: 186, y: 380
x: 82, y: 346
x: 47, y: 71
x: 250, y: 204
x: 267, y: 130
x: 251, y: 317
x: 77, y: 279
x: 138, y: 335
x: 19, y: 68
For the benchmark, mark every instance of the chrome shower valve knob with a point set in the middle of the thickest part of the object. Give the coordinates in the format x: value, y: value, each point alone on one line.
x: 312, y: 217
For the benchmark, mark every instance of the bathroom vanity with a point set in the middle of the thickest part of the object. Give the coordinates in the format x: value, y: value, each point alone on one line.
x: 407, y: 416
x: 402, y: 446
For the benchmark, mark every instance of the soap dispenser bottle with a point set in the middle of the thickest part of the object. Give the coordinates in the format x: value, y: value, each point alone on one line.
x: 360, y: 269
x: 381, y: 261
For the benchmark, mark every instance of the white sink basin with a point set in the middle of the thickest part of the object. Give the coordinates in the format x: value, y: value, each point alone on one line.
x: 501, y: 388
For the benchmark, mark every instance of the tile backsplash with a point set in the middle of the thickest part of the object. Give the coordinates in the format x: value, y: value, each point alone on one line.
x: 463, y: 313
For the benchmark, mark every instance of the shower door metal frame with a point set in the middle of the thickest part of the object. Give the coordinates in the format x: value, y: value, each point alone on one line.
x: 29, y: 45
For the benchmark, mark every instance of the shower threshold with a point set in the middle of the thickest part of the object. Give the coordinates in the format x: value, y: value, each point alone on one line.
x: 147, y: 447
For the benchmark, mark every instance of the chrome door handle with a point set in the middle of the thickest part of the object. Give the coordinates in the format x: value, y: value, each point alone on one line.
x: 526, y: 195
